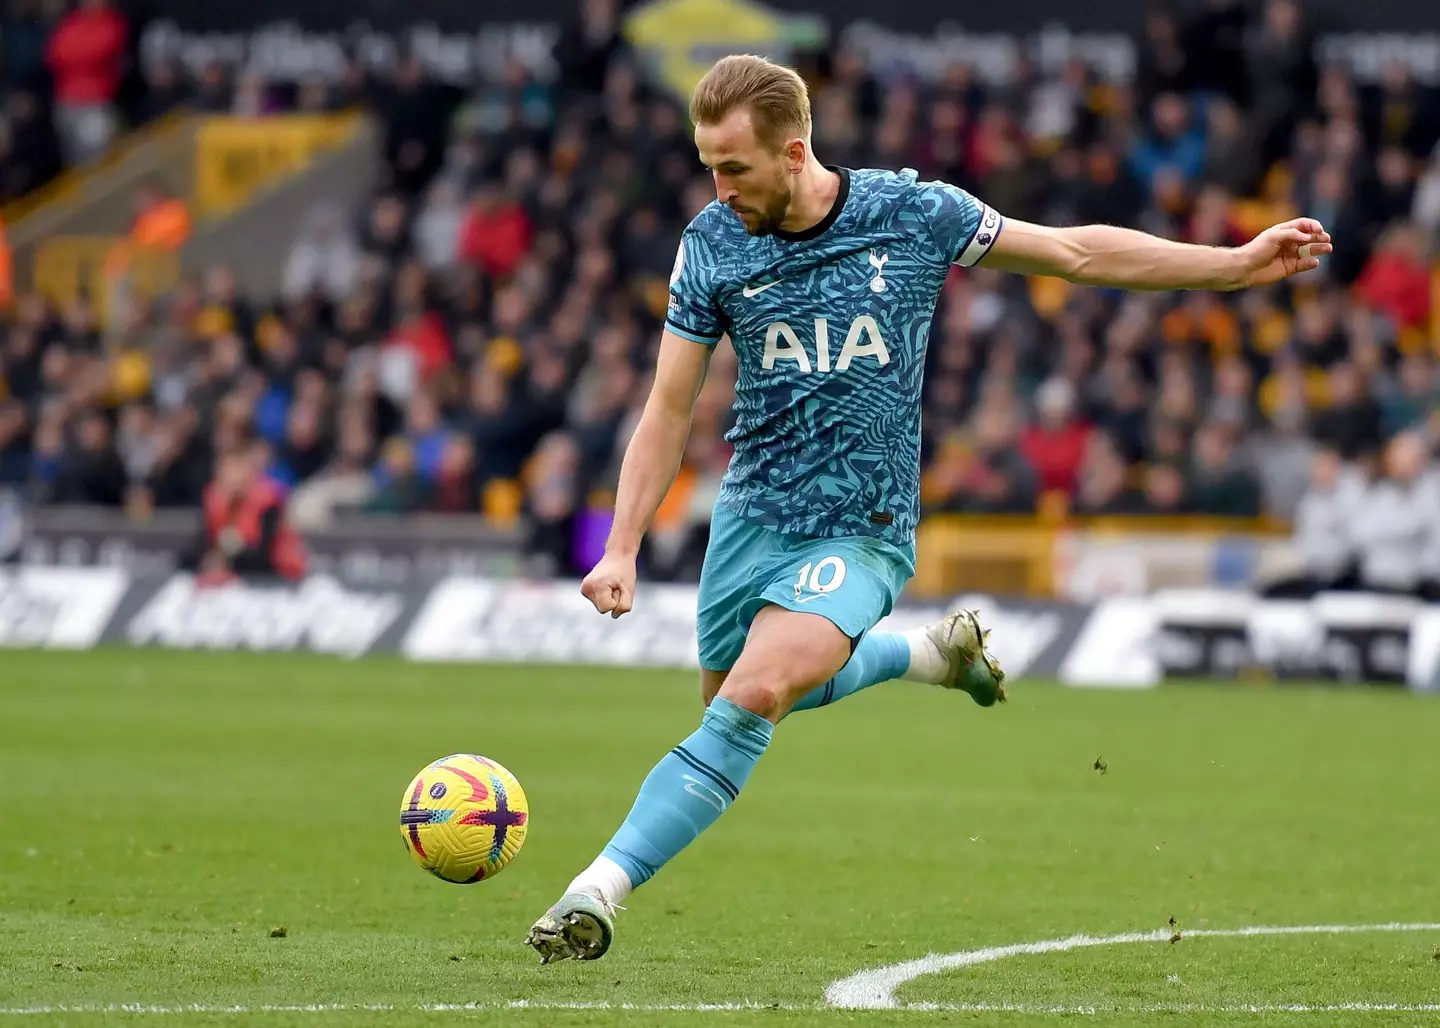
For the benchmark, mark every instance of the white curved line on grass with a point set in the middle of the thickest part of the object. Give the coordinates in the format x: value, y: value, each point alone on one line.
x: 875, y: 989
x: 520, y: 1004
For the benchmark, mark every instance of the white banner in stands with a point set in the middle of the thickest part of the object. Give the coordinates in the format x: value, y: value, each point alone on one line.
x: 493, y: 619
x: 1130, y: 642
x: 58, y: 608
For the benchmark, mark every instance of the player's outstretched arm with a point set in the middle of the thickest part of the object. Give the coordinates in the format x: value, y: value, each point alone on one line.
x: 652, y: 460
x: 1105, y: 255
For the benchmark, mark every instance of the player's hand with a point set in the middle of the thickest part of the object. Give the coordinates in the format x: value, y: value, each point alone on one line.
x: 1291, y: 248
x: 611, y: 585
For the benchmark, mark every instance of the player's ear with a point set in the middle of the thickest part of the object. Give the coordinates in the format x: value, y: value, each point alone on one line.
x: 795, y: 151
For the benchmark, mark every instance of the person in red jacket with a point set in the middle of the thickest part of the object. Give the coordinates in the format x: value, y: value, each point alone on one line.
x: 1396, y: 281
x: 495, y: 235
x: 1056, y: 444
x: 245, y: 528
x: 86, y: 57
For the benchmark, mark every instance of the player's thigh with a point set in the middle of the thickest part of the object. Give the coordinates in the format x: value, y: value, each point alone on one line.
x: 729, y: 583
x: 850, y: 581
x: 710, y: 684
x: 786, y: 654
x: 819, y: 597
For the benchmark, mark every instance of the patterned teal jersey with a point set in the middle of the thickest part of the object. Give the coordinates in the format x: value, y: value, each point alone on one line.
x: 830, y: 328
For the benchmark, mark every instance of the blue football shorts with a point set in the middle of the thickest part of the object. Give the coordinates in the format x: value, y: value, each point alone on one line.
x: 852, y: 581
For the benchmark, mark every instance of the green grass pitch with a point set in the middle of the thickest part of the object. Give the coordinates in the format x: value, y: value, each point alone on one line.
x: 162, y: 813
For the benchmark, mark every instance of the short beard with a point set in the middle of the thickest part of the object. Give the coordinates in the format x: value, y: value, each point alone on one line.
x: 774, y: 214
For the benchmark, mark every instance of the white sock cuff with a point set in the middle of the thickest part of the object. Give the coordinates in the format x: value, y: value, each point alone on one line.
x: 603, y: 878
x: 927, y: 663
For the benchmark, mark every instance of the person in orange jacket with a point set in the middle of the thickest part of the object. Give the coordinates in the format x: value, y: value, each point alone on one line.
x: 246, y: 532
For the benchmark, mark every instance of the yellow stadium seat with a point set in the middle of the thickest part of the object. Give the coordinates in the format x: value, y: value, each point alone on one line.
x: 129, y: 376
x: 1271, y: 331
x: 213, y: 322
x: 1053, y: 507
x: 504, y: 355
x: 502, y: 501
x: 1048, y: 295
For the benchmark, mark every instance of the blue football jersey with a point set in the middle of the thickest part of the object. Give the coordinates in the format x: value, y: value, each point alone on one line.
x: 830, y: 328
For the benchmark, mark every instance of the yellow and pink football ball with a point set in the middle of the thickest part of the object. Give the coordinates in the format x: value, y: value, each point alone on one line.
x: 463, y: 818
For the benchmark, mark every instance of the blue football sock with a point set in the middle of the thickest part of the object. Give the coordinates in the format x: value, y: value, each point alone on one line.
x: 880, y: 657
x: 690, y: 788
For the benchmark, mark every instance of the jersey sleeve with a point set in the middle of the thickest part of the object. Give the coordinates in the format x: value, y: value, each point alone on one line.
x: 694, y: 312
x: 964, y: 229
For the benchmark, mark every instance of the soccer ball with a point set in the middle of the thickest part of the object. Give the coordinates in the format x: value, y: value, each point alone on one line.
x: 463, y: 818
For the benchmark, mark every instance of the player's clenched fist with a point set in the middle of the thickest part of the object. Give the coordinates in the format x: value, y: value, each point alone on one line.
x: 611, y: 585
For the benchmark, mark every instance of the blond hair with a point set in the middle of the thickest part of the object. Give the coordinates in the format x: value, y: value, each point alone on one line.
x: 775, y: 96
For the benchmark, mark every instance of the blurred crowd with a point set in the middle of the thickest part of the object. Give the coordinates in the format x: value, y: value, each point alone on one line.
x: 72, y: 81
x: 480, y: 337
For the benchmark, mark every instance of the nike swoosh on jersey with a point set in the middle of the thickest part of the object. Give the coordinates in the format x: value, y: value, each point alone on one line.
x: 752, y: 291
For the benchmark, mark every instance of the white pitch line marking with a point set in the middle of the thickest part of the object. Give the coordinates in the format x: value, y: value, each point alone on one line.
x: 867, y: 990
x: 875, y: 989
x: 429, y: 1008
x: 916, y: 1008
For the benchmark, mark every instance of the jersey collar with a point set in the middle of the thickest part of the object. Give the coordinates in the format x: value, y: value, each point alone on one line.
x: 824, y: 223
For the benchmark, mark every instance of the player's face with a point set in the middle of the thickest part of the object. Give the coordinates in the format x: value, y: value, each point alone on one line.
x: 750, y: 179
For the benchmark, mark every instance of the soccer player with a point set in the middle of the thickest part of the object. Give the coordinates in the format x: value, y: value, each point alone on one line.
x: 826, y: 281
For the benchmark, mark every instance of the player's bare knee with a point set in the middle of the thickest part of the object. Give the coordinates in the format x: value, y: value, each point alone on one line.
x: 757, y: 693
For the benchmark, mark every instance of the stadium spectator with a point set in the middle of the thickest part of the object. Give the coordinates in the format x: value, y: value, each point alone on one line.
x: 456, y: 490
x: 1055, y: 445
x: 23, y: 34
x: 86, y: 57
x: 1103, y: 486
x: 1396, y: 280
x: 1173, y: 151
x: 137, y: 443
x: 1219, y: 483
x: 400, y: 489
x: 182, y: 463
x: 417, y: 113
x: 345, y: 483
x: 167, y: 89
x: 245, y: 527
x: 1281, y: 74
x: 90, y: 472
x: 325, y: 258
x: 30, y: 150
x: 213, y: 91
x: 438, y: 227
x: 986, y: 471
x: 1351, y: 421
x: 1165, y: 64
x: 1230, y: 162
x: 495, y: 234
x: 162, y: 224
x: 1164, y: 491
x: 588, y: 47
x: 14, y: 443
x: 1396, y: 527
x: 1282, y: 454
x: 555, y: 505
x: 1324, y: 542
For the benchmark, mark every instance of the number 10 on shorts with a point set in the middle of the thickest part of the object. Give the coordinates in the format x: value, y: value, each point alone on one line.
x: 818, y: 578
